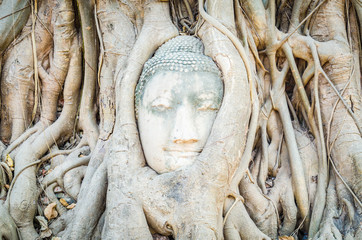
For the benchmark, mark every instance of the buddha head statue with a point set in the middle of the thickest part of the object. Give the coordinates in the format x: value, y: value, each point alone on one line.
x: 177, y: 98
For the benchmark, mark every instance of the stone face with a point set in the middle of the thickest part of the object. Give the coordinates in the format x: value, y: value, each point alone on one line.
x: 175, y: 117
x: 178, y: 96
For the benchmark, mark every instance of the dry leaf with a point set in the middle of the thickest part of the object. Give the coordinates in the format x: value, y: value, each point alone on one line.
x: 50, y: 212
x: 9, y: 161
x: 286, y: 238
x: 63, y: 202
x: 7, y: 186
x: 71, y: 206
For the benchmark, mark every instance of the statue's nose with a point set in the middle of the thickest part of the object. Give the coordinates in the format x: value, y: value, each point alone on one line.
x: 184, y: 130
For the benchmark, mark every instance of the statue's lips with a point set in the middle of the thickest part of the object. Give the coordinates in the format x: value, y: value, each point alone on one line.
x: 182, y: 153
x: 178, y: 154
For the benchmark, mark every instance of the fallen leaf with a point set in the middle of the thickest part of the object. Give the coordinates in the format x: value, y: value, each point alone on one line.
x: 50, y: 212
x: 63, y: 202
x: 7, y: 186
x: 71, y: 206
x: 9, y: 161
x: 286, y: 238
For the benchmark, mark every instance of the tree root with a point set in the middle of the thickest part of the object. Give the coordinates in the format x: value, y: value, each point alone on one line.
x: 259, y: 207
x: 328, y: 229
x: 240, y: 226
x: 73, y: 180
x: 75, y: 159
x: 59, y: 224
x: 85, y: 220
x: 91, y: 189
x: 21, y: 200
x: 17, y: 81
x: 87, y: 118
x: 20, y: 140
x: 117, y: 44
x: 49, y: 192
x: 10, y: 27
x: 8, y: 229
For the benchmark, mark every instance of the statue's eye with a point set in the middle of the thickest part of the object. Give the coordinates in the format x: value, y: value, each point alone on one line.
x: 207, y: 105
x: 161, y: 104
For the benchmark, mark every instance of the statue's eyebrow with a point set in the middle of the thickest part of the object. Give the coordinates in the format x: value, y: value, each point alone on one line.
x: 163, y: 96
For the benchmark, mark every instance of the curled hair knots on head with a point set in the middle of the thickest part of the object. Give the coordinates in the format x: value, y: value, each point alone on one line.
x: 179, y: 54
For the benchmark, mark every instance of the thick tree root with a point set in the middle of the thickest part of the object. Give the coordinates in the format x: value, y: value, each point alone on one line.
x: 73, y: 180
x: 240, y: 226
x: 22, y: 200
x: 8, y: 229
x: 328, y: 229
x: 87, y: 118
x: 86, y: 221
x: 17, y: 79
x: 117, y: 42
